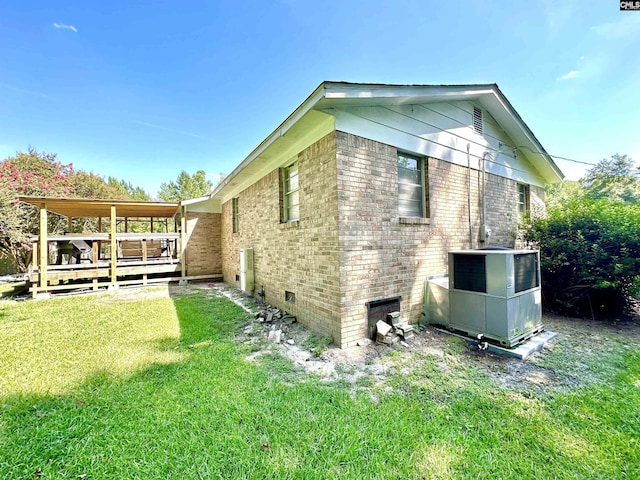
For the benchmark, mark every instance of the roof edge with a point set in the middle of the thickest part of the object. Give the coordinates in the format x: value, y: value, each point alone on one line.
x: 111, y: 201
x: 323, y: 91
x: 280, y: 131
x: 528, y: 132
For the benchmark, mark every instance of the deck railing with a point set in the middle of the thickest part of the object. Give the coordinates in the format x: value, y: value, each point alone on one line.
x: 89, y: 256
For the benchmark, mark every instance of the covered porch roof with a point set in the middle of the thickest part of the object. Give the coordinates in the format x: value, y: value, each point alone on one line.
x: 92, y: 208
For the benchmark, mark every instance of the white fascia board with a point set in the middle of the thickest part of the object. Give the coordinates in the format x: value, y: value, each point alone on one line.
x: 191, y: 201
x: 206, y: 204
x: 337, y: 90
x: 298, y: 113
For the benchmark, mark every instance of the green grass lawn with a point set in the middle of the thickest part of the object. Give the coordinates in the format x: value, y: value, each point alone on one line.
x: 101, y: 387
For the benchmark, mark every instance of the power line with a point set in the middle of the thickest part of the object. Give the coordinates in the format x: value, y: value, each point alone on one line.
x: 487, y: 147
x: 522, y: 147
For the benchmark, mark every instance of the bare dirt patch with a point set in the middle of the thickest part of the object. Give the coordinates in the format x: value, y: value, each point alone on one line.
x: 580, y: 354
x: 574, y: 358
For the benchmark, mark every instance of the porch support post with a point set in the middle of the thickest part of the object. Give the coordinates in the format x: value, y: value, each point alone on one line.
x: 70, y: 224
x: 34, y: 255
x: 44, y: 247
x: 99, y: 224
x: 183, y: 240
x: 114, y: 248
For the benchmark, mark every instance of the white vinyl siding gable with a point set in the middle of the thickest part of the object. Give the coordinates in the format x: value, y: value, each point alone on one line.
x: 443, y: 131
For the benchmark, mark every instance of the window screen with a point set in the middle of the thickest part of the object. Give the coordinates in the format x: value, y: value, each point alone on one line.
x: 235, y: 215
x: 291, y: 194
x: 469, y: 273
x: 525, y: 266
x: 410, y: 186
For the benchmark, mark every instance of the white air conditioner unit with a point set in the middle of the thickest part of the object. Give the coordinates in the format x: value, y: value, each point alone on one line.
x: 492, y: 293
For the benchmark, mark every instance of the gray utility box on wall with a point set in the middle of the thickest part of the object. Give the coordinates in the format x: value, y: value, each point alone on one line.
x: 491, y: 293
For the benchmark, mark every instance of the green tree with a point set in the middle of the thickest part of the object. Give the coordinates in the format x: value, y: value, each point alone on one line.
x: 128, y: 190
x: 34, y: 173
x: 186, y: 186
x: 590, y: 240
x: 614, y: 179
x: 560, y: 194
x: 28, y: 173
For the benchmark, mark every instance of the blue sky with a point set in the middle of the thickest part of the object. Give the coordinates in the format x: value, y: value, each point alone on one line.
x: 143, y: 89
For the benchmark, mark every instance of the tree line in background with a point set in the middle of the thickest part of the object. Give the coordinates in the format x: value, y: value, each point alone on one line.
x: 589, y: 241
x: 41, y: 174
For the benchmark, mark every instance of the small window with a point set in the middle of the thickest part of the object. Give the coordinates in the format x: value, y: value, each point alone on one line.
x: 412, y: 191
x: 291, y: 197
x: 235, y: 215
x: 523, y: 198
x: 477, y: 120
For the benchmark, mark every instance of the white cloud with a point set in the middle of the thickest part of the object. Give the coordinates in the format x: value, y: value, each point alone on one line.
x: 627, y: 27
x: 571, y: 74
x: 65, y: 27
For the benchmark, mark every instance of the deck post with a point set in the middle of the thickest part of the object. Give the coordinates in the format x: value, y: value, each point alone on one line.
x: 183, y: 240
x: 114, y: 248
x: 70, y: 224
x: 34, y: 264
x: 34, y: 255
x: 144, y: 260
x: 44, y: 248
x: 99, y: 224
x: 95, y: 252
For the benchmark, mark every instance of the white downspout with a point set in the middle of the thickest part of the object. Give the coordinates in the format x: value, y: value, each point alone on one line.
x: 469, y: 194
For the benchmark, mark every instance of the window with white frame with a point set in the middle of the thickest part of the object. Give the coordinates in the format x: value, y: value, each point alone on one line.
x: 291, y: 193
x: 412, y: 186
x: 523, y: 198
x: 235, y: 215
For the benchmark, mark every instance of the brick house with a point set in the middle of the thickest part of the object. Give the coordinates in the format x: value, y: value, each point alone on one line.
x: 360, y: 193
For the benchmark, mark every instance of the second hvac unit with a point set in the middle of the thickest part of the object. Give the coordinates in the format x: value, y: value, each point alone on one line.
x: 491, y: 293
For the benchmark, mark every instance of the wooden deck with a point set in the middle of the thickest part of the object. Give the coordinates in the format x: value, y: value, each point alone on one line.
x: 141, y: 258
x: 109, y: 257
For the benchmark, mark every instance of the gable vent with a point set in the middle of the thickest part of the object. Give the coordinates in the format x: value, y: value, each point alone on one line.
x: 477, y: 120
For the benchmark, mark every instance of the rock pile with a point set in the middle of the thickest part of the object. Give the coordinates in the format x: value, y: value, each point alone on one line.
x: 276, y: 322
x: 392, y: 331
